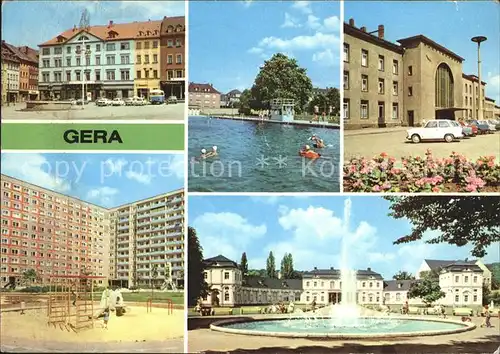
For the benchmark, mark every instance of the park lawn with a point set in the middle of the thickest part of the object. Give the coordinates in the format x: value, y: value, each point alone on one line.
x: 159, y: 296
x: 241, y: 310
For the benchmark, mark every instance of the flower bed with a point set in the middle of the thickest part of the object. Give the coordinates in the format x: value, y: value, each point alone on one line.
x: 422, y: 174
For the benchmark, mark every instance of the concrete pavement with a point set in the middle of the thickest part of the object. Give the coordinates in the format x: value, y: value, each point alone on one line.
x: 92, y: 112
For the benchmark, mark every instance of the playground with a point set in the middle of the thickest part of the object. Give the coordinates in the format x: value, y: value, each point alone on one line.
x: 69, y: 316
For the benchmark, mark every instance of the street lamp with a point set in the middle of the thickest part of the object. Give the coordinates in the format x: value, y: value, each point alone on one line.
x: 478, y: 40
x: 84, y: 54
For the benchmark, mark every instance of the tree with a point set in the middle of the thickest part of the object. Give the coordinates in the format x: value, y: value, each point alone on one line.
x: 281, y: 77
x: 486, y: 295
x: 325, y: 101
x: 471, y: 220
x: 287, y: 271
x: 427, y: 289
x: 245, y: 98
x: 197, y: 287
x: 402, y: 275
x: 29, y: 276
x: 271, y: 266
x: 244, y: 264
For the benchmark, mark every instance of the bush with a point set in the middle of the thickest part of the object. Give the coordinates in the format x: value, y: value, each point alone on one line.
x: 417, y: 174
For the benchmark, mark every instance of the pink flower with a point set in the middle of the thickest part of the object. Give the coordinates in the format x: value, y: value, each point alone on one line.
x: 376, y: 188
x: 383, y: 154
x: 436, y: 189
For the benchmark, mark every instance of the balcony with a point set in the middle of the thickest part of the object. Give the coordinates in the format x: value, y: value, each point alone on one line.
x: 151, y: 206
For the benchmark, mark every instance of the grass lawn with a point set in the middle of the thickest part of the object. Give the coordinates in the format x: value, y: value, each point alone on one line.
x: 158, y: 296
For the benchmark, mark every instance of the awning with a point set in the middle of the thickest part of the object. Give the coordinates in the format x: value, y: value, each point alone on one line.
x: 451, y: 109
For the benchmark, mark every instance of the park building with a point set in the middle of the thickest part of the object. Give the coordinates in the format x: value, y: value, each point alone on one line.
x: 325, y: 286
x: 147, y: 235
x: 403, y: 84
x: 228, y: 288
x: 437, y: 265
x: 50, y: 232
x: 56, y: 234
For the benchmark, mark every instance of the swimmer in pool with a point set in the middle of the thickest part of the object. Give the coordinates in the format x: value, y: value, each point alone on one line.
x: 317, y: 141
x: 212, y: 153
x: 203, y: 154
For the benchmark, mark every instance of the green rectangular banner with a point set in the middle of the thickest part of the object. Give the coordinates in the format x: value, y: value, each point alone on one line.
x: 92, y: 136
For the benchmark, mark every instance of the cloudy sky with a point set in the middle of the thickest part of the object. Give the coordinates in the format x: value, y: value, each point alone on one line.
x: 449, y: 23
x: 107, y: 180
x: 34, y: 22
x: 312, y: 229
x: 229, y: 41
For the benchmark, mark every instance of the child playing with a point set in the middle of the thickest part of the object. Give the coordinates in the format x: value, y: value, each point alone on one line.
x: 106, y: 318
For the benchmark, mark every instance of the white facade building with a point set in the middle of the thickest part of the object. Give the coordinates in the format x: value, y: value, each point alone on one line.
x: 462, y: 283
x: 432, y: 264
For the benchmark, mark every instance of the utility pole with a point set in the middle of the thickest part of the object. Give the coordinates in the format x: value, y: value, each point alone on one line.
x: 478, y: 40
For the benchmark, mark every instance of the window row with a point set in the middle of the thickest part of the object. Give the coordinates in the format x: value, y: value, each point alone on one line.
x: 364, y: 109
x: 107, y: 75
x: 110, y: 60
x: 364, y: 84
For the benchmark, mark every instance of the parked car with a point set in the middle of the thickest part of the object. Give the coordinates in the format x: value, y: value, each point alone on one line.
x: 139, y: 101
x: 482, y: 128
x: 172, y: 99
x: 495, y: 122
x: 102, y: 102
x: 80, y: 102
x: 491, y: 127
x: 118, y: 102
x: 129, y: 101
x: 436, y: 129
x: 473, y: 128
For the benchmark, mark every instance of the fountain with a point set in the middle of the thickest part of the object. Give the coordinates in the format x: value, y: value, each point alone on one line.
x: 346, y: 319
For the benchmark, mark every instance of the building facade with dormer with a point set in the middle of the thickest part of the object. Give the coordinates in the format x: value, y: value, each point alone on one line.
x: 101, y: 60
x: 147, y: 58
x: 462, y: 282
x: 28, y: 70
x: 437, y: 265
x: 203, y: 96
x: 10, y: 77
x: 173, y: 56
x: 325, y: 286
x: 229, y: 288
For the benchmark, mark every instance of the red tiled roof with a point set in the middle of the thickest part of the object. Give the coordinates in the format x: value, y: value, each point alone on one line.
x: 134, y: 30
x: 173, y: 22
x: 194, y: 87
x: 17, y: 52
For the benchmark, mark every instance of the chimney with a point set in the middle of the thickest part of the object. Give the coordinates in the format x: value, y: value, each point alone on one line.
x: 315, y: 268
x: 74, y: 28
x: 363, y: 29
x: 110, y: 23
x: 331, y: 268
x: 381, y: 31
x: 351, y: 22
x: 369, y: 269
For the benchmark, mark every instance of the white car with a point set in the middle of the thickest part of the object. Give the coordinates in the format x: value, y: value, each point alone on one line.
x: 103, y: 102
x: 139, y: 101
x: 491, y: 127
x: 118, y: 102
x: 436, y: 129
x: 129, y: 101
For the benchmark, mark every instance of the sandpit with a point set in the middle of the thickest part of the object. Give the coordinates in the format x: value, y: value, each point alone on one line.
x: 135, y: 326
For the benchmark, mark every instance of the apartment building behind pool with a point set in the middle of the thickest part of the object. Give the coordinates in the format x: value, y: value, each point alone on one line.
x: 56, y: 234
x: 388, y: 84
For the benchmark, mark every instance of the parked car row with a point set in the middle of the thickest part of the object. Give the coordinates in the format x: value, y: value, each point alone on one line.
x: 134, y: 101
x: 450, y: 130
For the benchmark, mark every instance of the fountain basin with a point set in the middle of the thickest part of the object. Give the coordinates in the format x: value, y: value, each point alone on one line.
x: 333, y: 328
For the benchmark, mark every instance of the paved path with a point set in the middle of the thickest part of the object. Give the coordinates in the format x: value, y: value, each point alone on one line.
x: 93, y: 112
x: 392, y: 141
x: 295, y: 122
x: 479, y: 340
x: 26, y: 346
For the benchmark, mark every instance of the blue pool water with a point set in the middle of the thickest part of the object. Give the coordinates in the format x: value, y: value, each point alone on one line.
x: 260, y: 157
x: 335, y: 325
